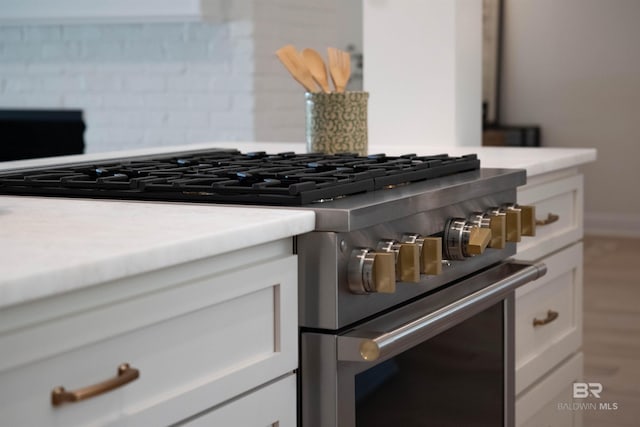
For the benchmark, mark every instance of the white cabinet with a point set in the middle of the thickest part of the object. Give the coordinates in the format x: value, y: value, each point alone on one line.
x: 217, y: 334
x: 549, y: 402
x: 549, y: 317
x: 271, y: 405
x: 549, y: 310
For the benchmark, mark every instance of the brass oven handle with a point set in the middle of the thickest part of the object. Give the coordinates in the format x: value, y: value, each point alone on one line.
x: 551, y: 218
x: 368, y: 346
x: 126, y: 374
x: 551, y: 316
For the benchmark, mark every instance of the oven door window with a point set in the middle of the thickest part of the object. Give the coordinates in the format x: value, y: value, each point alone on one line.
x: 453, y: 379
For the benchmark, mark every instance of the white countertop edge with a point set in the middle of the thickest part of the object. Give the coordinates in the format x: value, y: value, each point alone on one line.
x: 25, y: 285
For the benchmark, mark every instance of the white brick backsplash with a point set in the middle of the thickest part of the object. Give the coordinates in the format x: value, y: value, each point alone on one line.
x: 207, y: 32
x: 193, y: 50
x: 62, y: 83
x: 42, y: 33
x: 61, y: 51
x: 164, y: 31
x: 202, y: 135
x: 12, y: 100
x: 142, y: 85
x: 165, y: 100
x: 137, y: 50
x: 31, y: 100
x: 101, y: 50
x: 82, y: 32
x: 102, y: 82
x: 122, y: 100
x: 188, y: 119
x: 50, y: 68
x: 231, y: 84
x: 231, y: 120
x: 243, y: 102
x: 10, y: 34
x: 16, y: 83
x: 211, y: 102
x: 164, y: 136
x: 192, y: 82
x: 81, y: 100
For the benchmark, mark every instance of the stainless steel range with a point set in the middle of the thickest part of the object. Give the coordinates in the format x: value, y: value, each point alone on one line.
x: 406, y: 290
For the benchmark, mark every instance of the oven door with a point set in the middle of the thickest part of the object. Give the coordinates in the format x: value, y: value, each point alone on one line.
x: 446, y: 359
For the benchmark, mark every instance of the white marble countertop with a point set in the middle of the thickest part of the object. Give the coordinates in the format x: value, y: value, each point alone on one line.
x: 536, y: 160
x: 50, y: 246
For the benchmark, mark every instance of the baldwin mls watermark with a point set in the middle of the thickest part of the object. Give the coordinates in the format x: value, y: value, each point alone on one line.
x: 584, y: 391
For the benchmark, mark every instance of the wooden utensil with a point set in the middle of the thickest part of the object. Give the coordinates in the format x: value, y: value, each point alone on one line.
x: 346, y: 65
x: 339, y: 67
x: 294, y: 63
x: 314, y: 62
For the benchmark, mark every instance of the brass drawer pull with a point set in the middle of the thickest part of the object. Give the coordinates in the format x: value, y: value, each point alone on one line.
x: 551, y: 218
x: 126, y: 374
x: 551, y: 316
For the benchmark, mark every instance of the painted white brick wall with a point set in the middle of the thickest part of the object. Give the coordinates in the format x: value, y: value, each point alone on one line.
x: 139, y: 85
x: 154, y: 84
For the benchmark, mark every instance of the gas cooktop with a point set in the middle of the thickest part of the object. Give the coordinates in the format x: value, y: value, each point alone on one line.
x: 229, y: 176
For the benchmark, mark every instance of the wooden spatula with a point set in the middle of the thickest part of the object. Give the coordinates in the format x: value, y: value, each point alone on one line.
x: 339, y: 67
x: 294, y: 63
x: 314, y: 62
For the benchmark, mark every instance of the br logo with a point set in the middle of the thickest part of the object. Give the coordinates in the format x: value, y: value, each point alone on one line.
x: 583, y: 390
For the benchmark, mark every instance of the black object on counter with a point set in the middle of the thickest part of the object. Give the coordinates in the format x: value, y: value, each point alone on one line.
x: 28, y: 134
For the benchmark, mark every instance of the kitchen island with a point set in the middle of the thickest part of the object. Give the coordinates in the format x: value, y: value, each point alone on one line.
x: 200, y: 302
x: 77, y: 316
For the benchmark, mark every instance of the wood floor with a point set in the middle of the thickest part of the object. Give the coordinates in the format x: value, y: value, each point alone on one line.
x: 612, y: 328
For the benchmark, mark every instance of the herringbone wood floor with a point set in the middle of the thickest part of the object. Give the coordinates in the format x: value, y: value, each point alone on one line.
x: 612, y: 328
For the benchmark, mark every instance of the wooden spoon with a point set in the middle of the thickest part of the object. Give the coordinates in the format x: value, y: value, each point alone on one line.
x: 294, y: 63
x: 314, y: 62
x: 340, y: 68
x: 346, y: 65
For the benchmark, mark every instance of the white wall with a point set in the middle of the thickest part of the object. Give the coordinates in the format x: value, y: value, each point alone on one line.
x: 573, y: 66
x: 280, y: 99
x: 422, y: 68
x: 154, y: 84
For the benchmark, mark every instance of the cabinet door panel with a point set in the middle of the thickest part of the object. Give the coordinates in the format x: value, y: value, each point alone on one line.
x: 271, y: 406
x: 554, y: 303
x: 200, y: 356
x: 560, y: 205
x: 549, y: 403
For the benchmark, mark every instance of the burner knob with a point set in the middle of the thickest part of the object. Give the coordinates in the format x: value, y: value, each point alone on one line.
x: 513, y: 220
x: 370, y: 271
x: 464, y: 239
x: 407, y: 257
x: 479, y: 238
x: 496, y: 223
x: 430, y: 252
x: 527, y: 217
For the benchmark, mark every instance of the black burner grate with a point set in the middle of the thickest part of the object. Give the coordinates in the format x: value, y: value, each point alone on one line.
x: 233, y: 177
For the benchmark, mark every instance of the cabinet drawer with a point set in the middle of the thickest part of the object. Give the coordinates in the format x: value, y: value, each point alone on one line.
x: 548, y: 403
x: 560, y: 204
x: 554, y: 304
x: 272, y: 405
x: 214, y: 338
